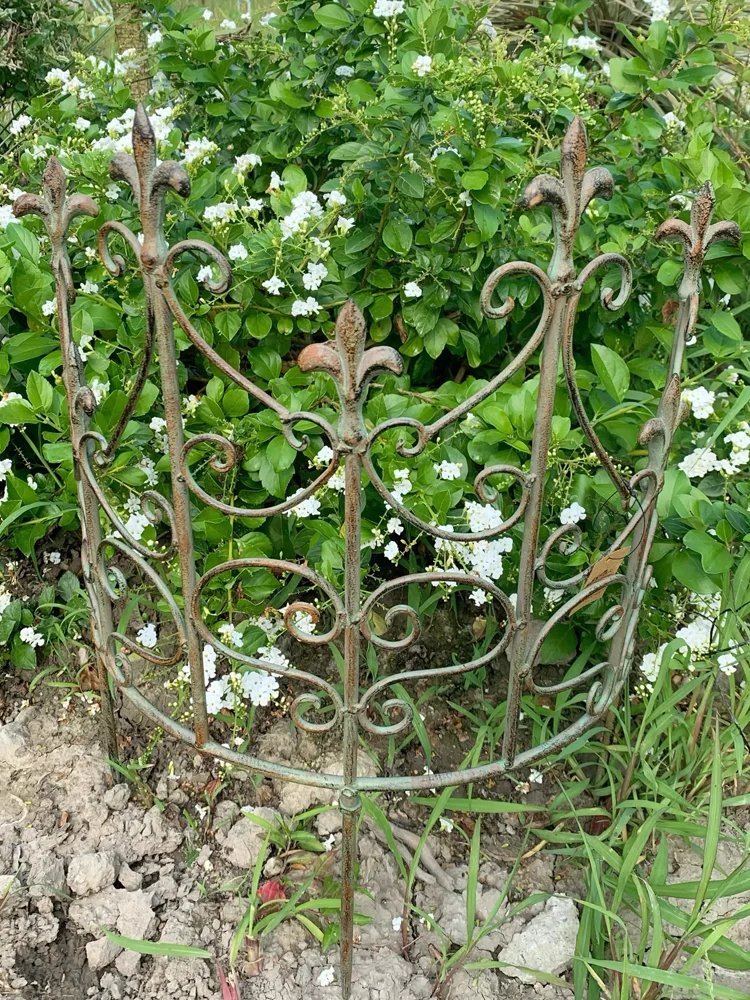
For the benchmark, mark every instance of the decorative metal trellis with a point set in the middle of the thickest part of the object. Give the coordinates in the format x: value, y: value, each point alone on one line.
x: 352, y: 365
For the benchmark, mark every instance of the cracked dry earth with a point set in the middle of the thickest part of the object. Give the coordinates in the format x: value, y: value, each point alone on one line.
x: 78, y: 854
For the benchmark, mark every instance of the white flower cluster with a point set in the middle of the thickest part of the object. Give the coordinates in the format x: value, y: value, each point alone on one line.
x: 483, y: 557
x: 256, y: 686
x: 587, y: 44
x: 119, y: 132
x: 199, y: 150
x: 344, y: 71
x: 447, y: 470
x: 571, y: 72
x: 306, y: 307
x: 313, y: 278
x: 699, y: 637
x: 245, y: 163
x: 388, y: 8
x: 221, y: 213
x: 305, y: 207
x: 704, y: 460
x: 19, y: 124
x: 305, y: 508
x: 69, y: 84
x: 701, y: 401
x: 659, y: 9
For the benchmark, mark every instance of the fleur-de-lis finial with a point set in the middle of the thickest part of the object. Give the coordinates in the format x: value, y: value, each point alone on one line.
x: 57, y: 212
x: 149, y: 184
x: 348, y: 363
x: 568, y: 196
x: 697, y: 237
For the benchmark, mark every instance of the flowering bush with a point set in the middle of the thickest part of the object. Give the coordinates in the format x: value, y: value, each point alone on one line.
x: 377, y: 152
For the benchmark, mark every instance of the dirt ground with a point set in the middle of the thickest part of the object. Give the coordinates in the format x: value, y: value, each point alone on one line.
x: 79, y: 853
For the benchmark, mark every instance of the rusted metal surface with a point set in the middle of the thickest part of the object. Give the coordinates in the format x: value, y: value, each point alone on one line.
x: 352, y: 365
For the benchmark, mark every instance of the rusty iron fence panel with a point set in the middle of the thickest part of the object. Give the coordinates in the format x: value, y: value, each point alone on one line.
x: 352, y: 365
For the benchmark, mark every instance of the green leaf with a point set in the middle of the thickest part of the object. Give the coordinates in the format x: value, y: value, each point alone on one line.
x: 332, y: 16
x: 397, y: 236
x: 265, y: 362
x: 669, y: 271
x: 474, y: 180
x: 280, y: 453
x: 235, y: 403
x: 410, y: 184
x: 17, y: 411
x: 40, y: 392
x: 715, y: 558
x: 612, y: 370
x: 258, y: 324
x: 688, y: 569
x: 726, y: 323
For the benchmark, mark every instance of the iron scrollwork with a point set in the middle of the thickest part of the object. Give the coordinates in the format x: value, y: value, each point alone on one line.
x: 351, y: 364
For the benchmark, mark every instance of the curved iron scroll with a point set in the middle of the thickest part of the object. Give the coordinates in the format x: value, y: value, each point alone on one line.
x: 352, y: 366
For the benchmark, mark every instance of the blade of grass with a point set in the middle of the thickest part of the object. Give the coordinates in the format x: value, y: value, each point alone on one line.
x: 169, y: 948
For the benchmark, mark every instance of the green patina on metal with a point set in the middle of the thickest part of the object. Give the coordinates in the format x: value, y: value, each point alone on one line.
x: 352, y: 365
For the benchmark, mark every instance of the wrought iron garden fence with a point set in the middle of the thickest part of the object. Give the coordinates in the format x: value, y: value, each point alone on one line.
x: 324, y: 704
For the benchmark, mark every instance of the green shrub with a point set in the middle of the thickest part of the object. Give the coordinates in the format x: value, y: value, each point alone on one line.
x: 415, y: 134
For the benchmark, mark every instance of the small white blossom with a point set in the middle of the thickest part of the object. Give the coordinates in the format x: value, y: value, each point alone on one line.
x: 394, y: 526
x: 49, y: 307
x: 228, y: 24
x: 572, y: 514
x: 147, y: 635
x: 422, y: 65
x: 237, y: 252
x: 412, y: 290
x: 571, y: 72
x: 307, y: 508
x: 396, y: 923
x: 334, y: 199
x: 479, y: 597
x: 584, y: 43
x: 343, y: 224
x: 305, y: 307
x: 671, y: 120
x: 701, y: 401
x: 153, y: 38
x: 199, y: 150
x: 90, y: 287
x: 19, y: 124
x: 207, y: 14
x: 245, y: 163
x: 535, y: 777
x: 31, y: 637
x: 313, y: 278
x: 388, y: 8
x: 205, y: 274
x: 345, y: 71
x: 53, y: 558
x: 448, y: 470
x: 273, y: 285
x: 391, y: 551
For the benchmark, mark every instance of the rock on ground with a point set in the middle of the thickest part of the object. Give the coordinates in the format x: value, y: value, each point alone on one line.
x: 546, y: 944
